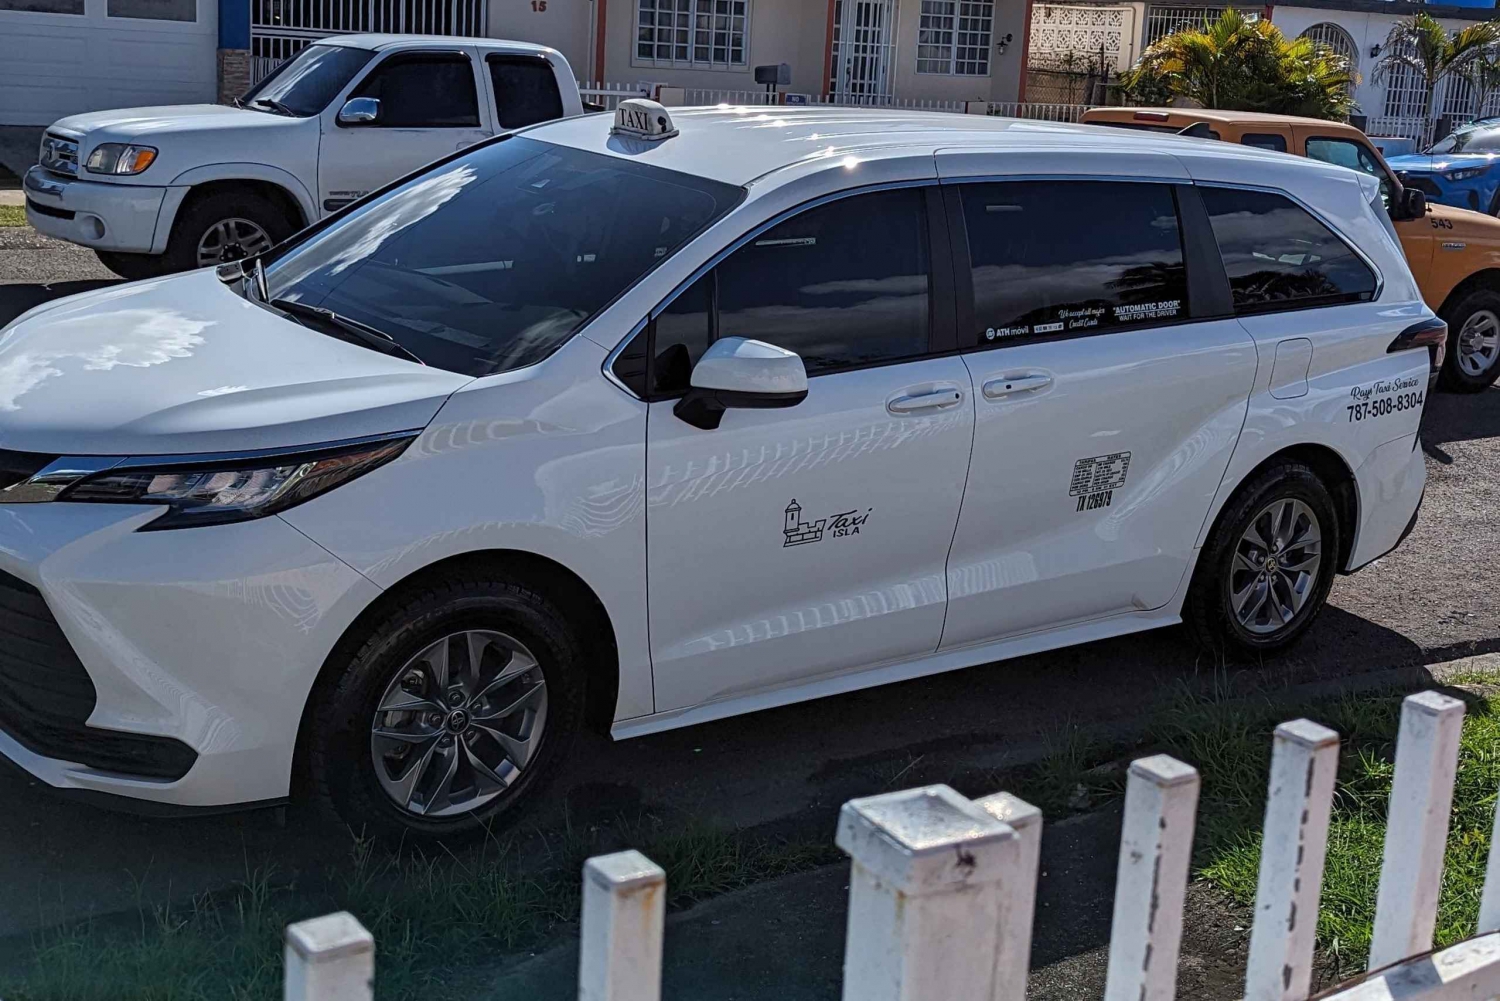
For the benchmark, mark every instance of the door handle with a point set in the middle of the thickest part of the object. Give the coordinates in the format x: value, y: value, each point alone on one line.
x: 937, y: 399
x: 1009, y: 385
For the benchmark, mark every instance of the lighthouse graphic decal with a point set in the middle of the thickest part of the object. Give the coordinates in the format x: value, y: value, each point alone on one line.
x: 799, y: 532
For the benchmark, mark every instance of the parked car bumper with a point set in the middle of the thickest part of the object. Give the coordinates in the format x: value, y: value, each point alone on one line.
x: 1476, y: 194
x: 168, y: 667
x: 102, y: 216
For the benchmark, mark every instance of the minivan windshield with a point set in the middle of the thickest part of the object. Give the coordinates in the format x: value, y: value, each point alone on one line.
x: 491, y: 261
x: 304, y: 85
x: 1480, y: 139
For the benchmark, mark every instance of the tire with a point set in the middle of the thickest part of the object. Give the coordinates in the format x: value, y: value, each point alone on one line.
x: 132, y: 267
x: 1285, y: 488
x: 1473, y: 358
x: 253, y: 224
x: 361, y: 775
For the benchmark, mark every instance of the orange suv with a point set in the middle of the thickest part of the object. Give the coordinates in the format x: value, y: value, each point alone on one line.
x: 1454, y: 253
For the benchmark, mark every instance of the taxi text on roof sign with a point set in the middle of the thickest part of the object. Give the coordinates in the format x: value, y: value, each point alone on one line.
x: 642, y: 119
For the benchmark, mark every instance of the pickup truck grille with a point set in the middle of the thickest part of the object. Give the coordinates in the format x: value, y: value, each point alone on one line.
x: 59, y: 154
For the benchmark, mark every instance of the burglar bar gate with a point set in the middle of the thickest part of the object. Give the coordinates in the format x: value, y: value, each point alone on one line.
x: 279, y: 29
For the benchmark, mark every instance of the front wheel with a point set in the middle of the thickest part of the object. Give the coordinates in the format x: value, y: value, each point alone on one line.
x: 1269, y: 564
x: 1473, y: 358
x: 454, y: 710
x: 223, y: 227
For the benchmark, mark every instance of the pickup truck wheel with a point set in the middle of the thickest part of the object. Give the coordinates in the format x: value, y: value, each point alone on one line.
x: 224, y: 227
x: 132, y: 267
x: 1473, y: 359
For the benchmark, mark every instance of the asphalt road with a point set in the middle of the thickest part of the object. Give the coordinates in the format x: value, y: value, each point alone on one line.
x: 1431, y: 601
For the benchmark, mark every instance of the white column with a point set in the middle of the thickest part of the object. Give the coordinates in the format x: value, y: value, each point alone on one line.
x: 1156, y: 845
x: 1017, y: 895
x: 1304, y: 764
x: 331, y: 958
x: 924, y: 895
x: 624, y: 913
x: 1416, y: 830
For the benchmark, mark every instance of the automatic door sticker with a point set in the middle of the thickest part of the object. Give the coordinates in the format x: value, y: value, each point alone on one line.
x: 1096, y: 479
x: 842, y: 524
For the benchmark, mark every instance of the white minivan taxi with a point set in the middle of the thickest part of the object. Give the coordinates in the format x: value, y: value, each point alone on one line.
x: 643, y: 420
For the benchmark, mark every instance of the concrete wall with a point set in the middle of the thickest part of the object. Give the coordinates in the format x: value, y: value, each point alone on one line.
x: 563, y: 24
x: 1004, y: 80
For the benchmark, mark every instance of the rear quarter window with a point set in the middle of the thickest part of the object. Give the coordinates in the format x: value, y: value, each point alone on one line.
x: 1278, y: 256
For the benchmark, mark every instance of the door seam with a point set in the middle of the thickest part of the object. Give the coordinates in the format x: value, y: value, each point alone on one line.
x: 963, y: 497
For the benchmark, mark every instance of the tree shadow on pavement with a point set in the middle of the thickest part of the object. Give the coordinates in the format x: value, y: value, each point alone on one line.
x: 17, y: 299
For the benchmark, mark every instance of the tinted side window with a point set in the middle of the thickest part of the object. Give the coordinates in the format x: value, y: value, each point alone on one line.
x: 525, y: 91
x: 1278, y: 256
x: 1055, y: 257
x: 843, y: 284
x: 1264, y: 140
x: 681, y: 336
x: 424, y: 92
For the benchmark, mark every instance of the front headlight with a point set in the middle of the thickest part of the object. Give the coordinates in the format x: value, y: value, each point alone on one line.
x: 120, y: 158
x: 1465, y: 173
x: 201, y: 491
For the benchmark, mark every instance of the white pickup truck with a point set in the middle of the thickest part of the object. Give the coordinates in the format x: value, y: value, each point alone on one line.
x: 156, y: 190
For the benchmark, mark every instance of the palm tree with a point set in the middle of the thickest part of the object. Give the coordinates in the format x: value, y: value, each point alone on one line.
x: 1483, y: 74
x: 1236, y: 64
x: 1424, y: 47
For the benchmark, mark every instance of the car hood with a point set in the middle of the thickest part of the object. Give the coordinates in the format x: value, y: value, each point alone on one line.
x: 1424, y: 163
x: 184, y: 364
x: 128, y: 124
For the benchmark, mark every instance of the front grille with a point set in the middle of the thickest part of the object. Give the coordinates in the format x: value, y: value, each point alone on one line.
x: 48, y: 210
x: 46, y: 695
x: 59, y: 154
x: 1424, y: 185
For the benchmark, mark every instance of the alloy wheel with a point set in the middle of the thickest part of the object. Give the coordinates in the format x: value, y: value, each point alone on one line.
x: 232, y: 240
x: 459, y: 723
x: 1275, y: 566
x: 1478, y: 345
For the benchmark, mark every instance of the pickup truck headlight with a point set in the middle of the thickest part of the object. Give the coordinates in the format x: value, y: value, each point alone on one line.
x: 1464, y: 173
x: 120, y: 158
x: 199, y: 491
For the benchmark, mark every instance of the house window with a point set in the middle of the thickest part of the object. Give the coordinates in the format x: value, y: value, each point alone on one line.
x: 691, y: 32
x: 953, y: 37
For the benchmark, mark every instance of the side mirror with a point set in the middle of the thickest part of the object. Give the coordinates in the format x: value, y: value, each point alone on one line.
x: 736, y: 372
x: 360, y: 111
x: 1413, y: 203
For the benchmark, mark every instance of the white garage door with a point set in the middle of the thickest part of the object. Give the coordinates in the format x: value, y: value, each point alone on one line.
x: 61, y: 57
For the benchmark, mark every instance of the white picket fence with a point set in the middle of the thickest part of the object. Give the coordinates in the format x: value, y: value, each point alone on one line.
x: 942, y: 891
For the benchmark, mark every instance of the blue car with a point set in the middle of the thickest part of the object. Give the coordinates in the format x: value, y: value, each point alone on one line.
x: 1461, y: 169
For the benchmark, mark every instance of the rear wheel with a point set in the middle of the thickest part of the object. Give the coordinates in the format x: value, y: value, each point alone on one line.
x: 1269, y: 564
x: 1473, y: 358
x: 226, y: 226
x: 458, y: 705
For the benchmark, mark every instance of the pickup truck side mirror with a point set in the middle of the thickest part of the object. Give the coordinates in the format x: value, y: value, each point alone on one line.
x: 736, y: 372
x: 1413, y: 203
x: 360, y: 111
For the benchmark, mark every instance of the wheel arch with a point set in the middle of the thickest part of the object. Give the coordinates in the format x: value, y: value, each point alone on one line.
x: 1488, y: 278
x: 574, y: 597
x: 1336, y: 475
x: 275, y: 184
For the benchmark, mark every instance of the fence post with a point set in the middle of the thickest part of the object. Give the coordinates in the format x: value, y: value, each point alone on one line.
x: 331, y: 958
x: 1416, y: 831
x: 1017, y: 894
x: 1156, y: 844
x: 624, y: 912
x: 1304, y: 764
x: 1489, y: 898
x: 924, y: 895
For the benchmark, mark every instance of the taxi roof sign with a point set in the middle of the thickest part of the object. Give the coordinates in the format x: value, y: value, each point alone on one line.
x: 639, y: 118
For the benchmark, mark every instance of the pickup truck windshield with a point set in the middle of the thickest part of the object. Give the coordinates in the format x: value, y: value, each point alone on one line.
x: 304, y: 85
x: 491, y: 261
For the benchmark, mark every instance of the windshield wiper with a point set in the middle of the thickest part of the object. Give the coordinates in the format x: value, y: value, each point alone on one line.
x: 349, y: 330
x: 271, y: 104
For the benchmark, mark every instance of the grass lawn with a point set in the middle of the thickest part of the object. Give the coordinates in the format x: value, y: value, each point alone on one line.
x: 12, y: 215
x: 423, y: 912
x: 1230, y: 744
